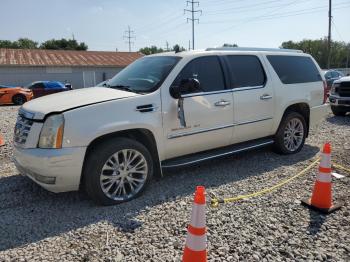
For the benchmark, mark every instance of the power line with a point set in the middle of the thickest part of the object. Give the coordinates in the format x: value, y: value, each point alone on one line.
x: 129, y: 35
x: 192, y: 19
x: 274, y: 14
x: 284, y: 14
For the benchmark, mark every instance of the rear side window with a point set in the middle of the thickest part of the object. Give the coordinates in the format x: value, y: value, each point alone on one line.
x: 38, y: 85
x: 208, y: 72
x: 246, y: 70
x: 294, y: 69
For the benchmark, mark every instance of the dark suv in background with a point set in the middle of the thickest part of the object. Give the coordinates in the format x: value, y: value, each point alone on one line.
x: 331, y: 76
x: 340, y: 96
x: 43, y: 88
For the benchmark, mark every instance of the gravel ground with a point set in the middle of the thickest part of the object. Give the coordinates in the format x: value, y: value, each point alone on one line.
x: 38, y: 225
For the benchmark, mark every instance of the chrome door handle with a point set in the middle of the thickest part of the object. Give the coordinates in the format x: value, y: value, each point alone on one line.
x: 222, y: 103
x: 265, y: 97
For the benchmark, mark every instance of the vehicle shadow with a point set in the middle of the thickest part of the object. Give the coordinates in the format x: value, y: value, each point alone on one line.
x: 316, y: 221
x: 9, y: 105
x: 29, y: 213
x: 339, y: 120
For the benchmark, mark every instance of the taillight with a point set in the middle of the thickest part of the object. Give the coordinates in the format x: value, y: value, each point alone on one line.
x: 325, y: 95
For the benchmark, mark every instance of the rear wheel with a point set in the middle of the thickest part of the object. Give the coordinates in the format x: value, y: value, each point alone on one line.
x: 117, y: 171
x: 19, y: 99
x: 291, y: 134
x: 338, y: 111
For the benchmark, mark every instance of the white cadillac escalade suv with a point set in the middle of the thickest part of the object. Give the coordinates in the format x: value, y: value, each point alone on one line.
x: 168, y: 110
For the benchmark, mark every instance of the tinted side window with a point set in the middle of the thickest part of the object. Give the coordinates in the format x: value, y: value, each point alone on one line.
x: 208, y: 72
x: 335, y: 74
x: 294, y: 69
x: 246, y: 70
x: 38, y: 85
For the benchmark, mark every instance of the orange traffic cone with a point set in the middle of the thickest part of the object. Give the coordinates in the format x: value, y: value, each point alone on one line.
x: 321, y: 198
x: 196, y: 241
x: 2, y: 141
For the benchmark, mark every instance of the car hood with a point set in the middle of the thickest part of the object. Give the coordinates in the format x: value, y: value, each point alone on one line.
x: 342, y: 79
x: 14, y: 89
x: 60, y: 102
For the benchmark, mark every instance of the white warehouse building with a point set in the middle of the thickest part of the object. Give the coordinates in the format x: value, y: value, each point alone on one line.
x: 20, y: 67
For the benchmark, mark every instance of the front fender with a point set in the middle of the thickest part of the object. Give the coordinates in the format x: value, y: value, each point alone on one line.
x: 84, y: 125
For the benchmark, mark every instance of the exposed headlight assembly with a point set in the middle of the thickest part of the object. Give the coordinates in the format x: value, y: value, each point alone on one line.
x: 333, y: 88
x: 51, y: 135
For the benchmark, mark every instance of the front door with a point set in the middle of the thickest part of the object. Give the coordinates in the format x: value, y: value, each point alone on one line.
x: 38, y: 89
x: 208, y: 112
x: 253, y: 98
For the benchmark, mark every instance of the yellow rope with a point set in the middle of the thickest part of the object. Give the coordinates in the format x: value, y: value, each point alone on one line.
x: 341, y: 167
x: 215, y: 201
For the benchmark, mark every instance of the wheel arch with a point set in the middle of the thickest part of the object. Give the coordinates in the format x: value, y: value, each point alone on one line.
x: 302, y: 108
x: 18, y: 94
x: 141, y: 135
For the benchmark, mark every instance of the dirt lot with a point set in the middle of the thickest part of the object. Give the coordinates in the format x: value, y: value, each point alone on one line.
x: 38, y: 225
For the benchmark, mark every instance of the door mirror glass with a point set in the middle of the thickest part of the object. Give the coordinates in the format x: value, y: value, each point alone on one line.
x: 186, y: 86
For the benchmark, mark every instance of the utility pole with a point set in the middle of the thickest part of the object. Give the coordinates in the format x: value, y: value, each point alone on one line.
x: 189, y: 45
x: 329, y: 33
x: 129, y: 35
x: 192, y: 19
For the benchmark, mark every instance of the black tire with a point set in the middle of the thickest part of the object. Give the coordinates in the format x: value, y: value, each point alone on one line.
x: 338, y: 111
x: 279, y: 145
x: 96, y: 160
x: 19, y: 99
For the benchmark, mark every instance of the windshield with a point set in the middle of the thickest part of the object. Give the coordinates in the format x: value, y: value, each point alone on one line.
x: 145, y: 74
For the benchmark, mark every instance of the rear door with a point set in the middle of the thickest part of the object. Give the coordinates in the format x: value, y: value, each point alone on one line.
x: 253, y: 97
x: 208, y: 113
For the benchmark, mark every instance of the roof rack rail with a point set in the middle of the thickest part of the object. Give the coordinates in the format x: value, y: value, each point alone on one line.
x: 253, y: 49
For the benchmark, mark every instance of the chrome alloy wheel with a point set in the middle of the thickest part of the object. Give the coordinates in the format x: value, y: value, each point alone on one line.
x: 293, y: 134
x: 124, y: 174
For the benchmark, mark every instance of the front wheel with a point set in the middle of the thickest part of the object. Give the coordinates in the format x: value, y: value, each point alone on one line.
x: 117, y: 171
x: 19, y: 99
x: 291, y: 134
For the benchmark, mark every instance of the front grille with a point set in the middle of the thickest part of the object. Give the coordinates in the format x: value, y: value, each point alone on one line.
x: 22, y: 129
x: 344, y: 89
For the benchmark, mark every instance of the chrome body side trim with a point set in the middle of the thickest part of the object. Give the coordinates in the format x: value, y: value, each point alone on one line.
x: 238, y: 89
x: 220, y: 155
x: 171, y: 136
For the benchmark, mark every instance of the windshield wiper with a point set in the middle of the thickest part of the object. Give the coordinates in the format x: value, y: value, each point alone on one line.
x: 122, y: 87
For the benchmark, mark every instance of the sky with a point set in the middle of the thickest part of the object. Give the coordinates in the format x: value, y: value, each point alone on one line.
x: 101, y: 24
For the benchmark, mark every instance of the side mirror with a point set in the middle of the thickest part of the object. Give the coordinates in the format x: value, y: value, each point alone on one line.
x: 190, y: 85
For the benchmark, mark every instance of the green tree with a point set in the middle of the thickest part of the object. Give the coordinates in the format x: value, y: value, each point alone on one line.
x: 178, y: 48
x: 7, y: 44
x: 229, y: 45
x: 26, y: 43
x: 318, y: 49
x: 151, y: 50
x: 64, y: 44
